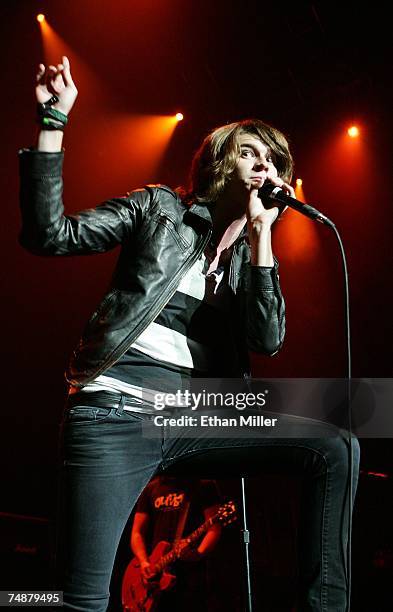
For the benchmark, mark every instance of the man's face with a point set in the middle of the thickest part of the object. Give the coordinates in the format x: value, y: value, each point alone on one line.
x: 254, y: 165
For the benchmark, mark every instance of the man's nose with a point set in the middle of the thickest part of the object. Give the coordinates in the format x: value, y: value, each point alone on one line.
x: 261, y: 163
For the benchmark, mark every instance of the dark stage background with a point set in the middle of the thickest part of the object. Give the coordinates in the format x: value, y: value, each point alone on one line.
x: 311, y: 69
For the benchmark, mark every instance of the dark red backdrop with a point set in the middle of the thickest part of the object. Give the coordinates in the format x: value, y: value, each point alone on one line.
x: 310, y: 69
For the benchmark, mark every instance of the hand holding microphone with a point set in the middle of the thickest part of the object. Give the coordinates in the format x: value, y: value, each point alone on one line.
x: 271, y: 193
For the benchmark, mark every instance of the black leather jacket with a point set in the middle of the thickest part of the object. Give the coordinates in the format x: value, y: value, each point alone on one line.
x: 160, y: 238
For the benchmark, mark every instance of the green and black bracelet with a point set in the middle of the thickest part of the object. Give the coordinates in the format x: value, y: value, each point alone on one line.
x: 49, y: 118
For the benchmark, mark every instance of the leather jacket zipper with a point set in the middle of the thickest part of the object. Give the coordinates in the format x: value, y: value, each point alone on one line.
x: 231, y: 270
x: 154, y: 312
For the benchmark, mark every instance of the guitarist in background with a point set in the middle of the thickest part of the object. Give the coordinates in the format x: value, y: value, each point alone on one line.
x: 169, y: 509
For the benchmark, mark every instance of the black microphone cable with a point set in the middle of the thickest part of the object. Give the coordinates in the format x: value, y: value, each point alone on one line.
x: 349, y: 417
x: 274, y: 193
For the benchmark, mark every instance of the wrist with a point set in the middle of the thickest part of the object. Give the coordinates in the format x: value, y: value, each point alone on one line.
x: 49, y: 117
x: 50, y: 141
x: 261, y: 253
x: 262, y: 259
x: 259, y: 228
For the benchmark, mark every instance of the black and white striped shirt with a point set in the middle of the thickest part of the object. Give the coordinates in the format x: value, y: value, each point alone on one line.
x: 191, y: 337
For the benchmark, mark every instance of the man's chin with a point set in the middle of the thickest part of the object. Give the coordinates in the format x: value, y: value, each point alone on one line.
x: 255, y: 183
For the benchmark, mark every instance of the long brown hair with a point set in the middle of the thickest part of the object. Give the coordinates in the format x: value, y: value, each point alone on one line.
x: 218, y: 154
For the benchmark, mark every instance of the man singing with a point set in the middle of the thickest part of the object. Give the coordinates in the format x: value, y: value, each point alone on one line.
x: 194, y: 289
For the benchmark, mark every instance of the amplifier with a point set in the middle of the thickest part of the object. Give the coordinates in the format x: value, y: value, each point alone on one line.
x: 26, y: 552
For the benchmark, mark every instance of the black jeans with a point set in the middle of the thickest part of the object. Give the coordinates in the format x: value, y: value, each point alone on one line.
x: 108, y: 461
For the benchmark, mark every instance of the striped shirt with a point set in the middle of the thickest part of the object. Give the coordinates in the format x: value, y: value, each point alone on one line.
x: 191, y: 337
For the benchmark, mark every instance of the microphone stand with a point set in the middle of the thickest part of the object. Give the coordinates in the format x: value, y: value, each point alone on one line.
x: 246, y: 542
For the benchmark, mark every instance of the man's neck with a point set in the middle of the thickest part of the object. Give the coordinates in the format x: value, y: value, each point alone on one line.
x: 228, y: 220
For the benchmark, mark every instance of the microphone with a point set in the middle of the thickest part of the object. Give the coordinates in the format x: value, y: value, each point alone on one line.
x: 270, y: 192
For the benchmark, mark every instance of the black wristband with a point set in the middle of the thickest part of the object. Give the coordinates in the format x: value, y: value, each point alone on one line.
x: 49, y: 118
x: 47, y: 123
x: 53, y: 100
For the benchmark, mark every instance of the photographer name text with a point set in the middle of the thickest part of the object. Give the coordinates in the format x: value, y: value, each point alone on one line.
x: 205, y: 420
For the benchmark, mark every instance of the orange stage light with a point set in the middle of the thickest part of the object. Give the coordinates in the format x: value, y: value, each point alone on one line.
x: 353, y: 131
x: 137, y: 146
x: 298, y: 234
x: 54, y: 47
x: 40, y: 18
x: 179, y: 116
x: 299, y: 182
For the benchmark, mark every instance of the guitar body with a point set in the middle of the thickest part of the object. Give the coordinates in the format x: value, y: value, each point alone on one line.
x: 138, y: 595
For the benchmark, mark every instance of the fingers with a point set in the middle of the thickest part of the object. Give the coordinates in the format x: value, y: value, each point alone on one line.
x: 291, y: 190
x: 40, y: 73
x: 254, y: 206
x: 52, y: 80
x: 56, y: 77
x: 254, y: 195
x: 278, y: 182
x: 59, y: 79
x: 67, y: 71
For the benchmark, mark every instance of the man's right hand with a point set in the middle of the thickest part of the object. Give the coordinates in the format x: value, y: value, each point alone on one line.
x: 56, y: 80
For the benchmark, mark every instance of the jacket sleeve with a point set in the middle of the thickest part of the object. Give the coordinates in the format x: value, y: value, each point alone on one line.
x: 46, y: 230
x: 265, y: 311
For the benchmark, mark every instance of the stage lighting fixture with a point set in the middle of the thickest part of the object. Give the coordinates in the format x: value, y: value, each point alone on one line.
x: 353, y: 131
x: 299, y: 182
x: 179, y: 116
x: 40, y: 18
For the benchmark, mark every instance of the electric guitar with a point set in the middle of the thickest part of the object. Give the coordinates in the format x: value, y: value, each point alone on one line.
x: 140, y: 595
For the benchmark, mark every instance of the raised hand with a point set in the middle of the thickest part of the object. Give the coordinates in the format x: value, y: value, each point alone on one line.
x: 56, y: 80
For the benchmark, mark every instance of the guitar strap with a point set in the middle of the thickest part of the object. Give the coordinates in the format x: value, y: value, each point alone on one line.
x: 182, y: 522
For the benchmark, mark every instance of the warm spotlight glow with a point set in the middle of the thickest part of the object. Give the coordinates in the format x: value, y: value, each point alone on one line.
x: 353, y: 131
x: 40, y: 18
x: 299, y: 182
x: 179, y: 116
x: 54, y: 47
x: 299, y: 234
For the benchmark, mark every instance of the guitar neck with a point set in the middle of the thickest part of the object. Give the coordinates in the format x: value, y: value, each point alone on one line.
x: 175, y: 554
